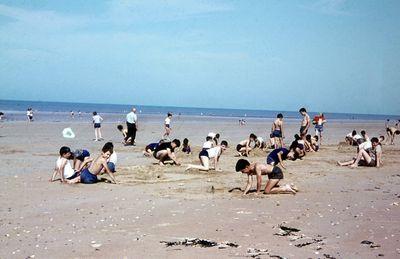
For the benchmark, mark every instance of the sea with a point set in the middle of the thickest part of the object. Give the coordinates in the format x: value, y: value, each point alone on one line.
x: 58, y: 111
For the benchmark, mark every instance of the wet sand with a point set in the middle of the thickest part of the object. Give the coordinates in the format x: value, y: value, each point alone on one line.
x: 336, y: 209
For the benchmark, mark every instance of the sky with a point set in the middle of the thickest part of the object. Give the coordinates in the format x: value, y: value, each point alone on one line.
x: 325, y: 55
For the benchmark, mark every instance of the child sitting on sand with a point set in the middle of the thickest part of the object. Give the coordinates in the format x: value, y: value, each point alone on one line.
x: 274, y: 173
x: 89, y: 175
x: 243, y: 148
x: 165, y: 152
x: 63, y: 166
x: 206, y: 155
x: 186, y: 147
x: 80, y: 155
x: 365, y: 158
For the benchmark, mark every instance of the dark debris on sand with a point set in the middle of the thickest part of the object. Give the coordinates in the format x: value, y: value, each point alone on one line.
x: 199, y: 242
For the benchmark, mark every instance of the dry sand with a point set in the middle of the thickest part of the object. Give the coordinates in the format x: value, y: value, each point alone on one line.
x: 336, y: 209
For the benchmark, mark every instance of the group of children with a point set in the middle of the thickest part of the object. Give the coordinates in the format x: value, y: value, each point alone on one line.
x: 369, y: 151
x: 79, y: 167
x: 85, y: 170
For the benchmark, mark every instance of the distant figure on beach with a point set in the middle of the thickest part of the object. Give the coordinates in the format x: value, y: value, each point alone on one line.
x: 243, y: 148
x: 124, y: 133
x: 214, y: 137
x: 63, y: 166
x: 97, y: 119
x: 391, y: 132
x: 305, y: 124
x: 186, y: 146
x: 1, y: 116
x: 242, y: 122
x: 319, y: 121
x: 206, y: 155
x: 72, y: 114
x: 277, y: 131
x: 131, y: 124
x: 353, y: 138
x: 208, y: 144
x: 167, y: 126
x: 274, y: 173
x: 165, y: 152
x: 260, y: 143
x: 79, y: 113
x: 89, y: 174
x: 373, y: 158
x: 29, y: 114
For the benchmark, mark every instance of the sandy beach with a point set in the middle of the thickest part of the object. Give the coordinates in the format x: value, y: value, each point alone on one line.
x: 336, y: 211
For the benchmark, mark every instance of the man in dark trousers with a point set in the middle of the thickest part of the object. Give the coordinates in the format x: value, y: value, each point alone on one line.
x: 131, y: 124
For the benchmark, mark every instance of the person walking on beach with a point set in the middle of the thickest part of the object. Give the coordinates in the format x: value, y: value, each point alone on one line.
x: 167, y: 126
x: 277, y: 131
x: 131, y: 124
x: 29, y: 114
x: 97, y: 119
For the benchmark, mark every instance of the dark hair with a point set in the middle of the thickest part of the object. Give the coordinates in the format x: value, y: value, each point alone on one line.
x: 108, y: 147
x: 253, y: 136
x: 185, y: 141
x: 293, y: 145
x: 280, y: 116
x: 297, y: 137
x: 120, y: 127
x: 241, y: 164
x: 64, y: 150
x: 363, y: 132
x: 397, y: 132
x: 354, y: 133
x: 382, y: 137
x: 217, y: 135
x: 177, y: 142
x: 308, y: 137
x: 225, y: 143
x: 169, y: 114
x: 208, y: 138
x: 302, y: 109
x: 375, y: 140
x: 316, y: 137
x: 94, y: 113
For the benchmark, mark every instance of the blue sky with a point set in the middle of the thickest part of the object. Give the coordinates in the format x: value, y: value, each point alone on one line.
x: 326, y: 55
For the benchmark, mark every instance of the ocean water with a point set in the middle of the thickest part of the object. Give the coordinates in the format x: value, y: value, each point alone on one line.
x: 59, y: 111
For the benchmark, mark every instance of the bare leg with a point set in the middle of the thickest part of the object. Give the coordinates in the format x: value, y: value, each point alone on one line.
x: 205, y: 164
x: 346, y: 163
x: 361, y: 154
x: 95, y: 135
x: 99, y: 133
x: 271, y: 189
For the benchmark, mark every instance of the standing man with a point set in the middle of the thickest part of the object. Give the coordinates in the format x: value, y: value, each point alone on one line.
x: 305, y: 124
x: 131, y: 124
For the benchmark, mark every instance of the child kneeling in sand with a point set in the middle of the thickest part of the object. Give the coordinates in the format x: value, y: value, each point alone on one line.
x: 243, y: 148
x: 89, y: 175
x: 63, y: 166
x: 274, y: 173
x: 165, y: 152
x: 206, y: 155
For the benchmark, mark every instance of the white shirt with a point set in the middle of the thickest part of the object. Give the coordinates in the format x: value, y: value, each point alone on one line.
x: 214, y: 152
x: 97, y: 119
x: 260, y: 139
x: 207, y: 144
x: 131, y: 117
x: 113, y: 158
x: 366, y: 145
x: 211, y: 134
x: 355, y: 137
x: 68, y: 171
x: 167, y: 121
